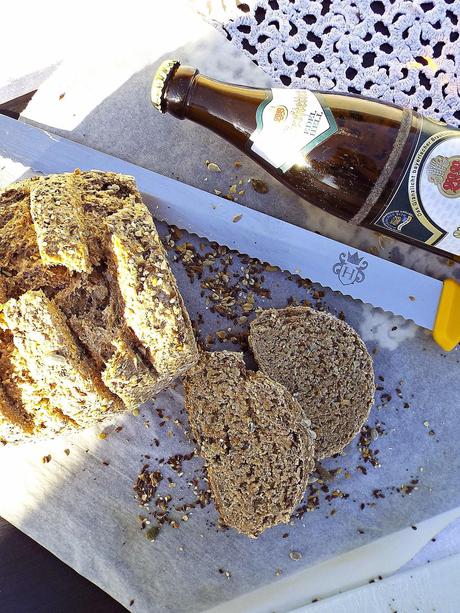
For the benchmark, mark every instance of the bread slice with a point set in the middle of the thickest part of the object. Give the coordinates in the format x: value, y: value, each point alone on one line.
x: 45, y: 342
x: 323, y: 362
x: 36, y: 400
x: 103, y: 193
x: 57, y: 213
x: 153, y: 306
x: 248, y: 428
x: 20, y: 264
x: 23, y: 401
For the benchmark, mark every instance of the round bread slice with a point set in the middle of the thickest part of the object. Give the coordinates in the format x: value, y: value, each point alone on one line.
x: 325, y: 365
x: 249, y: 430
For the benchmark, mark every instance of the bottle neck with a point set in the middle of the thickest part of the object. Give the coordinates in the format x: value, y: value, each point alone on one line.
x: 229, y: 110
x: 178, y: 90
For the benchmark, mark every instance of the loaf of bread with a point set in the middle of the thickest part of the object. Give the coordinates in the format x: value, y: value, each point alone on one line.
x: 92, y: 320
x: 323, y: 362
x: 249, y: 429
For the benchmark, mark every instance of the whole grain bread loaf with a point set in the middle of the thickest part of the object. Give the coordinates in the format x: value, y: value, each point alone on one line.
x: 249, y: 430
x: 75, y: 346
x: 323, y: 362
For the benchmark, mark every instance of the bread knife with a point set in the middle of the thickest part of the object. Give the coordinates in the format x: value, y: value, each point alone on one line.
x: 430, y: 303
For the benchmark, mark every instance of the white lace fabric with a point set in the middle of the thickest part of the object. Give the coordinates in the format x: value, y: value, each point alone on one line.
x: 401, y: 51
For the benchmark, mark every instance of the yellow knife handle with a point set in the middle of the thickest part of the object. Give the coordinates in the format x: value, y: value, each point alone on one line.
x: 446, y: 331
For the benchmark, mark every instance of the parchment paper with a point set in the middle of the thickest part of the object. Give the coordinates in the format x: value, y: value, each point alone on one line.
x: 81, y: 506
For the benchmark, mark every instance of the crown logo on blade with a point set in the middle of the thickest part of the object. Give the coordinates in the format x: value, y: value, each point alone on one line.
x: 354, y: 259
x: 349, y: 268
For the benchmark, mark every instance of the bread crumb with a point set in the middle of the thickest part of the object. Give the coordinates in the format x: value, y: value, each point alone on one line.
x: 295, y: 555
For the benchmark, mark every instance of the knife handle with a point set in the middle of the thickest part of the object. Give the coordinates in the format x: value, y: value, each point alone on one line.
x: 446, y: 331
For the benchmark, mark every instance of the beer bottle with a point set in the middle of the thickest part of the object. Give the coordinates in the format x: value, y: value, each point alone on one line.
x: 371, y: 163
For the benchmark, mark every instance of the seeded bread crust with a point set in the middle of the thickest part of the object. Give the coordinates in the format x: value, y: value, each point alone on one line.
x: 248, y: 429
x: 48, y: 419
x: 128, y: 376
x: 20, y: 264
x: 323, y: 362
x: 103, y: 194
x: 153, y: 306
x: 57, y: 213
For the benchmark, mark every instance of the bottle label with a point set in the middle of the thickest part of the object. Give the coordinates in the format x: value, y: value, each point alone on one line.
x: 426, y: 205
x: 290, y: 123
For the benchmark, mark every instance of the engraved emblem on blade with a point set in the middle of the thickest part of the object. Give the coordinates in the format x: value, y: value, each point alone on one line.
x: 349, y: 268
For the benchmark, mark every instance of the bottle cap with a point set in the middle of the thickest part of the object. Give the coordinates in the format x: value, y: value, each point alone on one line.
x: 159, y: 82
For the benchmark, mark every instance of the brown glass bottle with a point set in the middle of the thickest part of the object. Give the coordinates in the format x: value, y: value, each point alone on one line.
x: 368, y: 162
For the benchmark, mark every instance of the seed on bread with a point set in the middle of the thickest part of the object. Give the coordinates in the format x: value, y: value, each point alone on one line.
x: 323, y: 362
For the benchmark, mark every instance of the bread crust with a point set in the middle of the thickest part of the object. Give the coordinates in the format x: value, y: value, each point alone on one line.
x: 25, y: 402
x: 152, y: 305
x: 57, y: 213
x: 128, y: 376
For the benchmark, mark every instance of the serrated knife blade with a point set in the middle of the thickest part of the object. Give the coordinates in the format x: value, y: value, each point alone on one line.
x: 330, y: 263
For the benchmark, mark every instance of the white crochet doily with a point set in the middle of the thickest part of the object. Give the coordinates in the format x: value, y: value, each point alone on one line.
x: 402, y: 51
